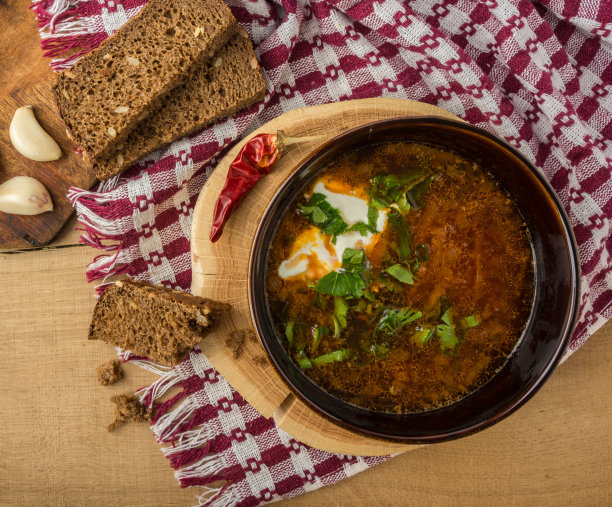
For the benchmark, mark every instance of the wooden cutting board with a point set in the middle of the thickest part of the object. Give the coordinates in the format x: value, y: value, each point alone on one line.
x: 220, y: 272
x: 26, y: 231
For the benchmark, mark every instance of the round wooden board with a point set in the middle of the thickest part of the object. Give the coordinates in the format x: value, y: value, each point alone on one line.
x: 220, y: 272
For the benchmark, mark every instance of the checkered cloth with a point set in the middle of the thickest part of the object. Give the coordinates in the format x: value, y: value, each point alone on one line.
x: 536, y: 74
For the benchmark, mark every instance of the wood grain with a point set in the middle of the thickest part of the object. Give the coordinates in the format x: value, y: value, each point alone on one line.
x: 220, y: 271
x: 56, y: 451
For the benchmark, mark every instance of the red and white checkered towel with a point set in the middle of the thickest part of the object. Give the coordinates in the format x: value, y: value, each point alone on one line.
x: 538, y: 75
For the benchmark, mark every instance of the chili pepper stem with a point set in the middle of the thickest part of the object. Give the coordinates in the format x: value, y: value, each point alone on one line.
x: 283, y: 140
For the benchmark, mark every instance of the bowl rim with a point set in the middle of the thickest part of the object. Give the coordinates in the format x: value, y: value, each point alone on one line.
x: 569, y: 319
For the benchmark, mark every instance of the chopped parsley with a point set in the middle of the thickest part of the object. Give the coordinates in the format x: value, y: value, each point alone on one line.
x: 362, y: 228
x: 340, y: 311
x: 401, y: 273
x: 317, y: 334
x: 446, y: 331
x: 392, y: 320
x: 289, y: 332
x: 415, y: 195
x: 470, y: 321
x: 347, y: 281
x: 322, y: 214
x: 379, y: 349
x: 402, y: 232
x: 392, y: 188
x: 339, y: 283
x: 423, y: 335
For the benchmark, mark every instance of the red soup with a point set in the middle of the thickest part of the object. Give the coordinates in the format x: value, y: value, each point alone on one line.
x: 402, y: 278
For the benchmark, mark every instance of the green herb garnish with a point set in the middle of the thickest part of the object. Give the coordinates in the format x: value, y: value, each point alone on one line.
x: 362, y: 228
x: 379, y: 350
x: 369, y: 296
x: 347, y: 281
x: 403, y: 204
x: 401, y: 273
x: 423, y: 335
x: 373, y: 218
x: 415, y: 195
x: 303, y: 361
x: 402, y: 232
x: 317, y: 333
x: 392, y: 320
x: 331, y: 357
x: 470, y: 321
x: 340, y: 311
x: 337, y: 329
x: 446, y: 331
x: 339, y: 283
x: 321, y: 213
x: 391, y: 188
x: 289, y: 332
x: 352, y: 260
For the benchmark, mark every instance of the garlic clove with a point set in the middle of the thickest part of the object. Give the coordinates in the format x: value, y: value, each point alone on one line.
x: 23, y: 195
x: 30, y: 139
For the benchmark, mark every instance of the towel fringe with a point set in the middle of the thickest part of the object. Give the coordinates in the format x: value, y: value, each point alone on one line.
x: 218, y: 496
x: 190, y: 453
x: 105, y: 228
x: 64, y: 31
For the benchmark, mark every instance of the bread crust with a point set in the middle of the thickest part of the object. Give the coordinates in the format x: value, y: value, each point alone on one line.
x: 211, y: 93
x: 153, y: 321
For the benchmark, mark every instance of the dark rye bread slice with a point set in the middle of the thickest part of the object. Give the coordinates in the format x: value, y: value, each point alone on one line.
x: 218, y: 88
x: 153, y: 321
x: 108, y: 91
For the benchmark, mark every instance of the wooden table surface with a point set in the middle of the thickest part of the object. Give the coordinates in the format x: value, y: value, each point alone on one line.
x: 55, y: 449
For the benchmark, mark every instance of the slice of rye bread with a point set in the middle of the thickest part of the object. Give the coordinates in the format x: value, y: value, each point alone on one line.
x: 153, y: 321
x: 218, y: 88
x: 108, y: 91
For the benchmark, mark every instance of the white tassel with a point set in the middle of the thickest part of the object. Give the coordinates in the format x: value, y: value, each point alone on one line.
x: 106, y: 265
x: 100, y: 196
x: 161, y: 385
x: 226, y: 499
x: 110, y: 184
x: 64, y: 28
x: 208, y: 465
x: 63, y: 63
x: 167, y: 424
x: 109, y: 227
x: 59, y: 7
x: 190, y: 440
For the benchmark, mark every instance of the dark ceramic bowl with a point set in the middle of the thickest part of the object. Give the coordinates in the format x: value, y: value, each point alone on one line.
x: 553, y: 314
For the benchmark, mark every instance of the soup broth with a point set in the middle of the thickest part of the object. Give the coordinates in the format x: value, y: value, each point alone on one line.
x: 401, y: 279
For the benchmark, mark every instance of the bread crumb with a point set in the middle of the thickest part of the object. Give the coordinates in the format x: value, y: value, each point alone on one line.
x: 237, y: 339
x: 128, y: 409
x: 109, y: 372
x: 260, y: 361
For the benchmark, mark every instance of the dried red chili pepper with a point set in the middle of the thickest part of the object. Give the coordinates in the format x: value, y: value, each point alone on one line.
x: 256, y: 159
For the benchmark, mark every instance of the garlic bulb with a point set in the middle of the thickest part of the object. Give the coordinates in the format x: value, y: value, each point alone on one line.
x: 23, y: 195
x: 30, y: 139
